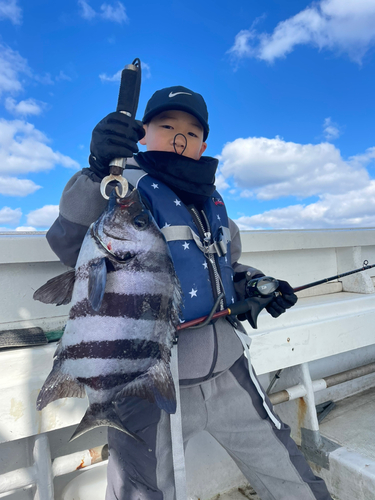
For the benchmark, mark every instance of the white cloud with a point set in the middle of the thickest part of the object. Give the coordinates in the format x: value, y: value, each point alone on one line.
x: 23, y: 149
x: 10, y: 10
x: 87, y: 12
x: 48, y: 79
x: 25, y: 228
x: 63, y: 76
x: 220, y: 182
x: 356, y: 208
x: 115, y: 13
x: 114, y: 78
x: 43, y: 217
x: 364, y: 158
x: 242, y: 47
x: 10, y: 215
x: 146, y: 70
x: 24, y: 108
x: 341, y: 26
x: 146, y: 73
x: 11, y: 186
x: 331, y: 130
x: 45, y: 79
x: 12, y: 66
x: 272, y: 168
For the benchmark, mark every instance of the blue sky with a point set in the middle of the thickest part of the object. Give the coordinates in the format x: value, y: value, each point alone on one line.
x: 289, y: 88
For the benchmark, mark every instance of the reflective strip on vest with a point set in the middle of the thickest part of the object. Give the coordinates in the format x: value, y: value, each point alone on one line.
x: 173, y: 233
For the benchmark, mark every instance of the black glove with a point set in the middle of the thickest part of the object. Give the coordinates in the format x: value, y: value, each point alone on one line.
x: 240, y: 280
x: 283, y: 301
x: 115, y: 136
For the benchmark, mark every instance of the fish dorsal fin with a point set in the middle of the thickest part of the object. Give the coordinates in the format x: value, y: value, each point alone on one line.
x: 97, y: 282
x: 57, y: 290
x: 156, y: 385
x: 59, y: 385
x: 98, y: 415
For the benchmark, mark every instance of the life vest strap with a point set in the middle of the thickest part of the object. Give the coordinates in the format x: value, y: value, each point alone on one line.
x: 183, y: 233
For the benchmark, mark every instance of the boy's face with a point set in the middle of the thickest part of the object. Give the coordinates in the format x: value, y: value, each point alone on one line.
x: 162, y: 129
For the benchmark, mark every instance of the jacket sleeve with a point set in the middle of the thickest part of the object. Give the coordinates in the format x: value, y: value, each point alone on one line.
x: 81, y: 204
x: 236, y: 250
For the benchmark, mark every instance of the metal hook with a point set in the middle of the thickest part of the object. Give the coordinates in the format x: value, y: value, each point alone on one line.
x: 123, y: 183
x: 115, y: 174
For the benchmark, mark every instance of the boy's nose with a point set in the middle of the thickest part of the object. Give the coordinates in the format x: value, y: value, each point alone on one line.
x: 179, y: 143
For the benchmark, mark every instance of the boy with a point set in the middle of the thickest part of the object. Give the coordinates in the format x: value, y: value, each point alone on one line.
x: 218, y: 393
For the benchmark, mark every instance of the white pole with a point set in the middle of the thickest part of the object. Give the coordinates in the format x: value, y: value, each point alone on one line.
x: 43, y: 468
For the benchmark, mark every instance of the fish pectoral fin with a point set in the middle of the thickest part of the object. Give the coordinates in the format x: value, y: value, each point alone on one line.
x: 59, y: 385
x: 156, y: 385
x: 57, y: 290
x: 98, y: 415
x: 97, y: 282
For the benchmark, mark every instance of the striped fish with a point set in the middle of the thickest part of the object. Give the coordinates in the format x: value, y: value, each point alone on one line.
x: 125, y: 300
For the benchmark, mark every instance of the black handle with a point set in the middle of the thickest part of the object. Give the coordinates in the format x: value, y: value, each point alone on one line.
x: 251, y: 306
x: 130, y: 87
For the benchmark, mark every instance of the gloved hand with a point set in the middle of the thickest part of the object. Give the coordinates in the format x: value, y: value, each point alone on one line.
x: 286, y: 299
x: 240, y: 280
x: 115, y: 136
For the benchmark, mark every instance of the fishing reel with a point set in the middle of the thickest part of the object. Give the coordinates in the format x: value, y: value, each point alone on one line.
x: 264, y: 286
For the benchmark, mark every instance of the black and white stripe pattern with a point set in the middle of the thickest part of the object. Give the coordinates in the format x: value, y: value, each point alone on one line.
x: 131, y: 333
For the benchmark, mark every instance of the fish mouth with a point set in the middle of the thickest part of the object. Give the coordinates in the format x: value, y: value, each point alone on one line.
x: 120, y: 260
x: 113, y: 237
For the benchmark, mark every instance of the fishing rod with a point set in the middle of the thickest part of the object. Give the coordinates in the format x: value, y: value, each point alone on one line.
x: 315, y: 283
x: 260, y: 292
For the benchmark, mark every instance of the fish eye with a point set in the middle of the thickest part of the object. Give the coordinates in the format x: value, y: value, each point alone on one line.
x: 141, y: 221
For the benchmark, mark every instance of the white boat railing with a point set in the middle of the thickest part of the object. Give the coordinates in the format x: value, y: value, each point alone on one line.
x: 43, y: 471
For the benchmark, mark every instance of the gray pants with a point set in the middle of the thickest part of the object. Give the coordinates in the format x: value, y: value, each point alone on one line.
x: 230, y: 409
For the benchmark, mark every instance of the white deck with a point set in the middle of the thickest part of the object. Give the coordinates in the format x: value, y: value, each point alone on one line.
x: 240, y: 493
x: 352, y: 424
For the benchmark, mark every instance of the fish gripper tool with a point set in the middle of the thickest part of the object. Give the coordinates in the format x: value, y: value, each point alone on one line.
x: 127, y: 103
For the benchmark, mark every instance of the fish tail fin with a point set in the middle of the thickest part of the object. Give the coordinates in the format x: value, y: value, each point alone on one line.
x: 156, y: 385
x: 98, y: 415
x: 59, y: 385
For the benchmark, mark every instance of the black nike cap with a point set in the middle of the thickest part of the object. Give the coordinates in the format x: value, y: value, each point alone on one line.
x: 179, y: 98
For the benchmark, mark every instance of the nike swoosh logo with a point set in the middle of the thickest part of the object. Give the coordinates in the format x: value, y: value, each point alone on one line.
x: 173, y: 94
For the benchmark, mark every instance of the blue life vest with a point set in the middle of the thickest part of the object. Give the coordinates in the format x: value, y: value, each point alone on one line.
x: 186, y: 246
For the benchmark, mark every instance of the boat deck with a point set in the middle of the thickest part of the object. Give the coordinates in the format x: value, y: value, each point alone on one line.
x: 241, y: 493
x: 352, y: 424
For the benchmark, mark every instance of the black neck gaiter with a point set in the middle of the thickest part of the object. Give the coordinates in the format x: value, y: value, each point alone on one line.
x: 192, y: 180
